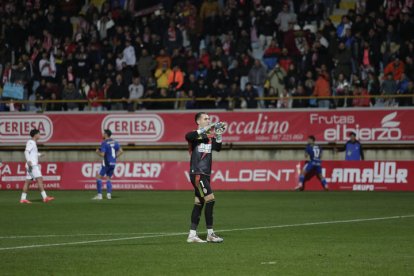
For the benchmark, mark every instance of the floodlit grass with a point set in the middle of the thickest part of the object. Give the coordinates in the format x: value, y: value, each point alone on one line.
x: 148, y: 232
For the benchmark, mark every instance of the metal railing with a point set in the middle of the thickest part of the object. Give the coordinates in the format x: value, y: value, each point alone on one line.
x: 208, y: 99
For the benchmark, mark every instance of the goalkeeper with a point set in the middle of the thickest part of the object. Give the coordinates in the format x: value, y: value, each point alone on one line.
x: 201, y: 143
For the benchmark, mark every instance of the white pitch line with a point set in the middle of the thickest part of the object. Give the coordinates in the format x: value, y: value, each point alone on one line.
x: 80, y: 235
x: 225, y: 230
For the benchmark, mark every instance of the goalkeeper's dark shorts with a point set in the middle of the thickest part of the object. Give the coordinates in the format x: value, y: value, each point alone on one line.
x: 201, y: 184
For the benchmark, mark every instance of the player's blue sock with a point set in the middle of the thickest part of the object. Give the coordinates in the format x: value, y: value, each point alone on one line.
x: 324, y: 183
x: 301, y: 179
x: 99, y: 186
x: 108, y: 187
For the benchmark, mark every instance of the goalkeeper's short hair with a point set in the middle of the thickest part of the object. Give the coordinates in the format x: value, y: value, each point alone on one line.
x: 198, y: 115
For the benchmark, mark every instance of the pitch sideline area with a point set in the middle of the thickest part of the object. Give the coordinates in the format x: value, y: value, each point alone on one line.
x: 265, y: 233
x: 161, y: 235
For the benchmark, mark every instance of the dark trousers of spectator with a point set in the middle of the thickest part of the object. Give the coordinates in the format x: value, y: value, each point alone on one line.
x: 406, y: 101
x: 119, y: 106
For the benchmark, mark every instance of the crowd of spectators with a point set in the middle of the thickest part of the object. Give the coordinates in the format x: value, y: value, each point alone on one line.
x: 228, y: 52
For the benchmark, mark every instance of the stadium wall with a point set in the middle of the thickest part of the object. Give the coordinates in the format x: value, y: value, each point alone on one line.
x: 226, y: 175
x: 225, y: 155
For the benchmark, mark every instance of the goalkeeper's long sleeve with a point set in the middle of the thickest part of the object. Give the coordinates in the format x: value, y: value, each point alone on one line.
x: 191, y: 136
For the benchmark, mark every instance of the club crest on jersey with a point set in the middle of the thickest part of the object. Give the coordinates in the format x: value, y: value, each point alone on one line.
x: 205, y: 148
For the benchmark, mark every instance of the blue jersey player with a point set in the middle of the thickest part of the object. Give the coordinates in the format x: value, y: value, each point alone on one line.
x: 110, y: 150
x: 313, y: 154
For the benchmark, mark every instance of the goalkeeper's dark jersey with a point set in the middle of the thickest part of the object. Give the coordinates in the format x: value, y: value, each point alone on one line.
x: 200, y: 147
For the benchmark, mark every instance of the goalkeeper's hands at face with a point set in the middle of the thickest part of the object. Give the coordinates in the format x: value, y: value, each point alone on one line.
x: 206, y: 128
x: 219, y: 128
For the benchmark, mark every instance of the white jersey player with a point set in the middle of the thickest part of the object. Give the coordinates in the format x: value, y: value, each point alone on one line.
x: 33, y: 171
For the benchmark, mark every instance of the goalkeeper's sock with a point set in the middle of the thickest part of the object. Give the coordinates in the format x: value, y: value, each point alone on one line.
x: 324, y: 183
x: 208, y: 213
x: 24, y: 196
x: 195, y: 216
x: 109, y: 187
x: 301, y: 179
x: 99, y: 186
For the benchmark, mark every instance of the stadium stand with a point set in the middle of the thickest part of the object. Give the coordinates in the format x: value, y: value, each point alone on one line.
x: 76, y: 55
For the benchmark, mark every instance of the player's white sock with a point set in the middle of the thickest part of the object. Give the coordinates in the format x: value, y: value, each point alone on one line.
x: 24, y: 196
x: 193, y: 233
x: 210, y: 231
x: 44, y: 195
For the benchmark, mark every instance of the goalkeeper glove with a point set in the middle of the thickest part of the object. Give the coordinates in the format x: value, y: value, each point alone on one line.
x: 205, y: 129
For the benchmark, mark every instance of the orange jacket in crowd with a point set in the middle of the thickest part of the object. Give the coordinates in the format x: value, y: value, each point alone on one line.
x: 395, y: 70
x: 176, y: 76
x: 322, y: 86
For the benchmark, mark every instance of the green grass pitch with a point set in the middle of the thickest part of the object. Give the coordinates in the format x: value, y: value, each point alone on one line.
x: 144, y: 233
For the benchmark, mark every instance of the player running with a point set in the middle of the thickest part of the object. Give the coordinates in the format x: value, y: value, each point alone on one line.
x: 33, y: 172
x: 201, y: 143
x: 313, y: 154
x: 110, y: 150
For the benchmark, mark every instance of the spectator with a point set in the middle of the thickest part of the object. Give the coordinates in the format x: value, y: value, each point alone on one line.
x: 276, y: 78
x: 234, y: 94
x: 271, y: 92
x: 175, y: 79
x: 292, y: 78
x: 70, y: 94
x: 146, y: 65
x: 257, y: 77
x: 46, y: 66
x: 388, y: 87
x: 266, y: 27
x: 163, y: 59
x: 403, y: 89
x: 322, y: 89
x: 285, y: 61
x: 373, y: 86
x: 343, y: 60
x: 299, y: 92
x: 136, y: 92
x: 129, y: 54
x: 284, y: 99
x: 220, y: 93
x: 284, y: 18
x: 395, y: 68
x: 249, y: 96
x: 201, y: 71
x: 83, y: 93
x: 95, y: 94
x: 341, y: 88
x: 173, y: 38
x: 191, y: 62
x: 118, y: 91
x: 161, y: 75
x: 353, y: 149
x: 204, y: 91
x: 271, y: 55
x: 360, y: 91
x: 163, y: 95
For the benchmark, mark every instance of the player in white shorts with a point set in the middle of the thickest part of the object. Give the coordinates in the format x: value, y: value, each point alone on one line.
x: 33, y: 171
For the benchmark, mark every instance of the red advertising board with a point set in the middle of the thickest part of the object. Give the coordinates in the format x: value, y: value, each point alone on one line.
x: 264, y: 175
x: 255, y: 127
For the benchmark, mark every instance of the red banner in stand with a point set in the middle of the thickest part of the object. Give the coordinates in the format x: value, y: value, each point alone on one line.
x: 263, y: 175
x: 255, y: 127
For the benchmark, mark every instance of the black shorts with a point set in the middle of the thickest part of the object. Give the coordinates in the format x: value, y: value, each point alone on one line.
x: 201, y: 184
